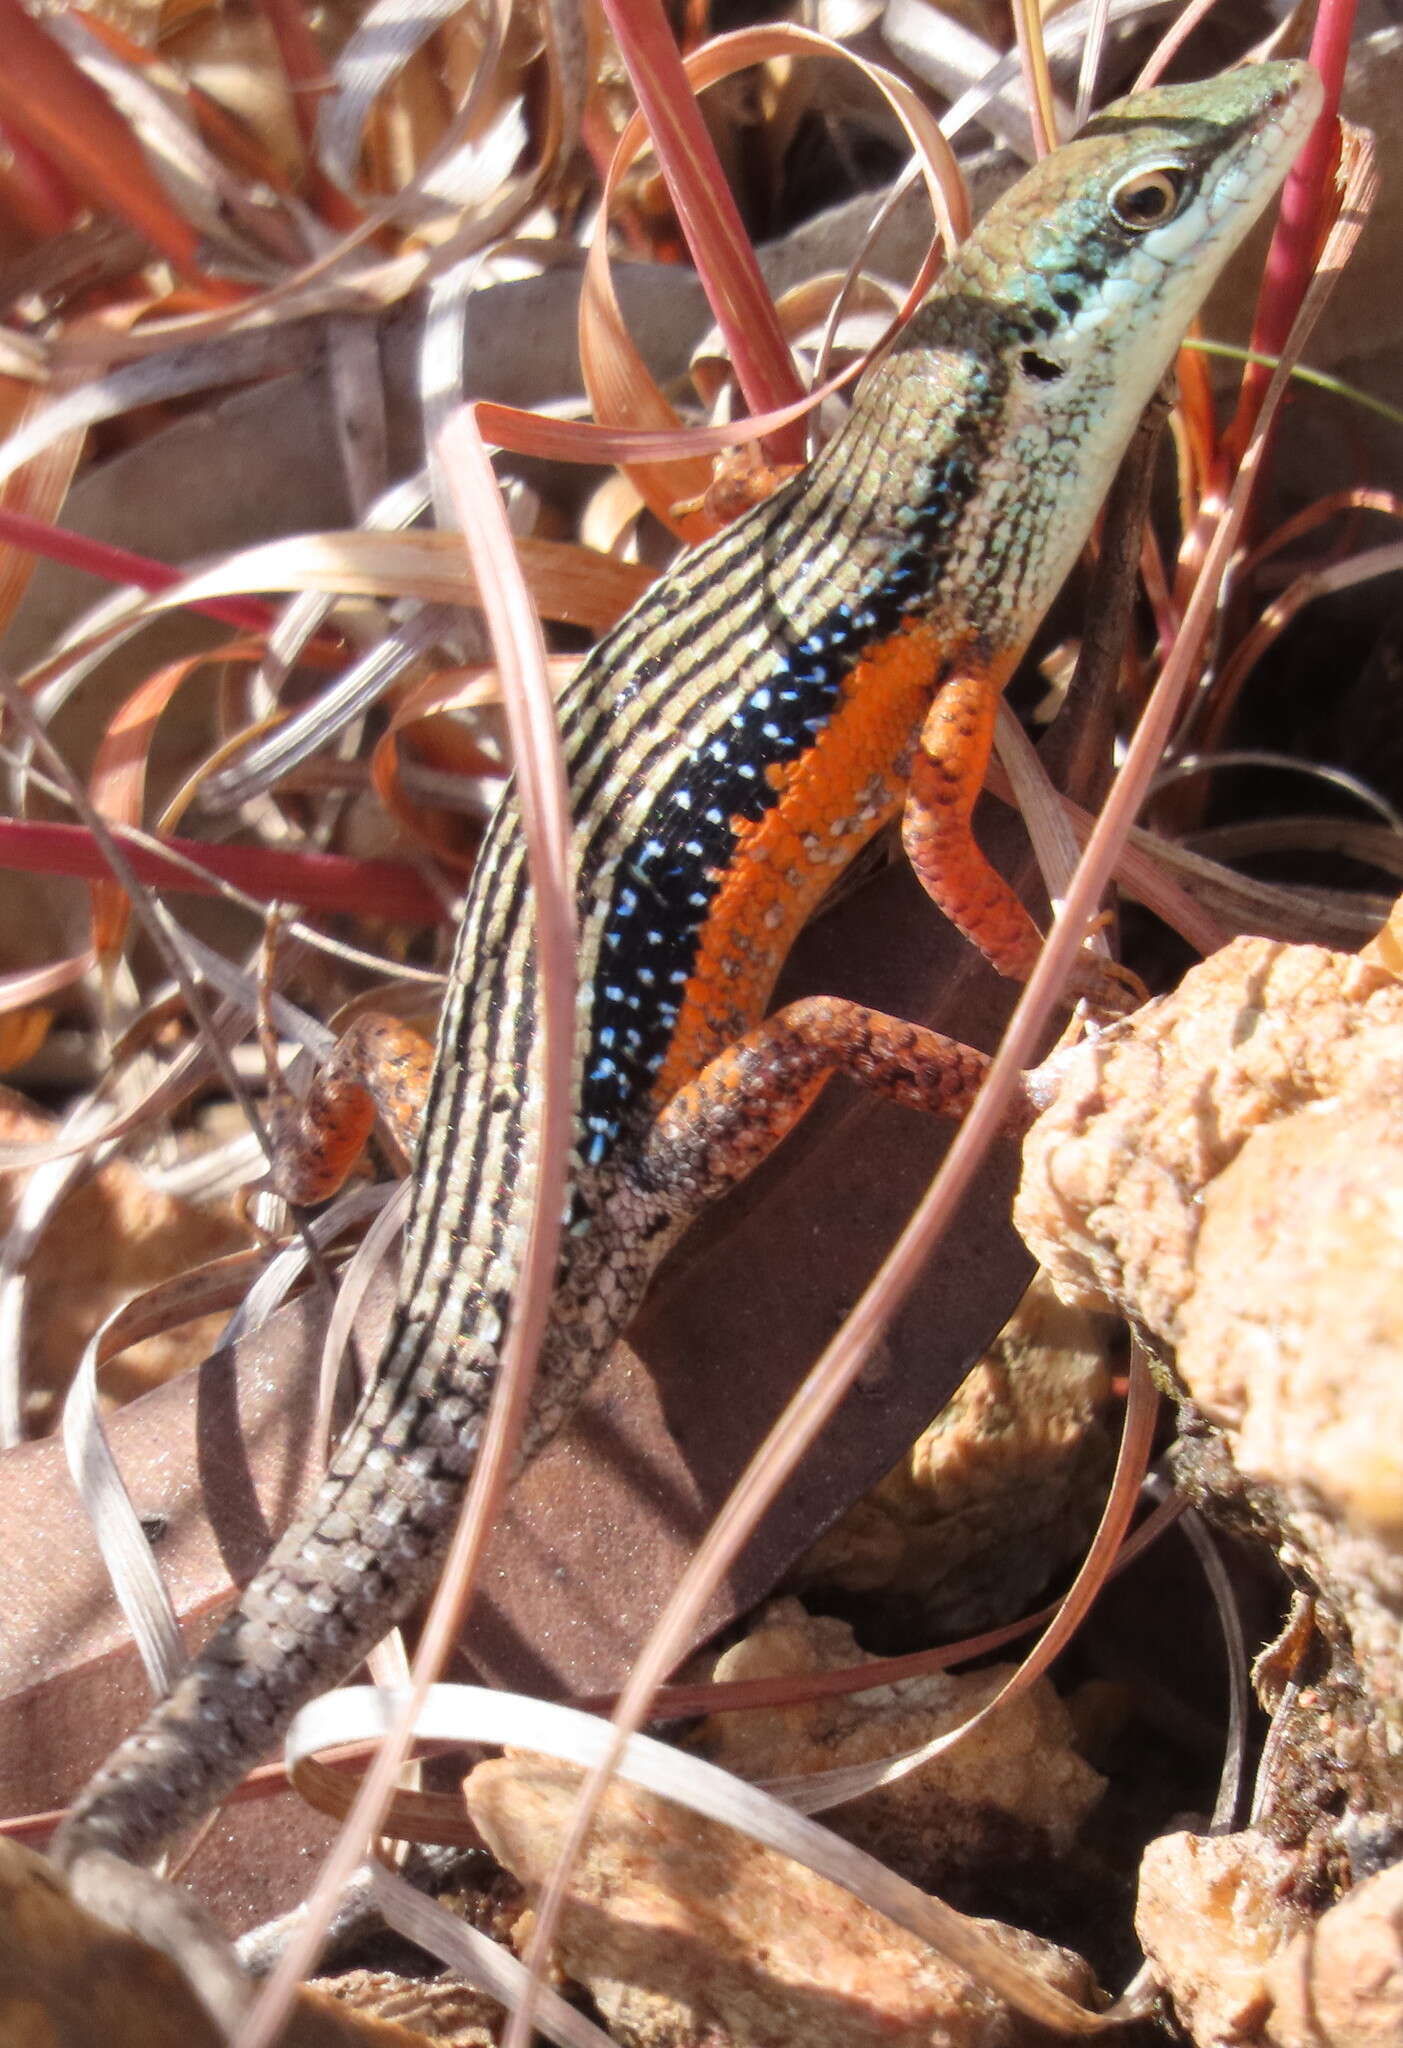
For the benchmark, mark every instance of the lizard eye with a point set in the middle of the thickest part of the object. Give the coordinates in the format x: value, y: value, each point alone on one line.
x: 1147, y: 199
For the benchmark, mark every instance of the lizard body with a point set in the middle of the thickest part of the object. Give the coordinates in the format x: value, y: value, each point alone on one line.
x: 745, y: 729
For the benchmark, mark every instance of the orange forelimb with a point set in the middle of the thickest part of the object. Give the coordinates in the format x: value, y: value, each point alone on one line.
x: 947, y: 775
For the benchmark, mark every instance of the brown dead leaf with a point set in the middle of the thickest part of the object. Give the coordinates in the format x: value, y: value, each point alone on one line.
x: 215, y: 1460
x: 68, y: 1980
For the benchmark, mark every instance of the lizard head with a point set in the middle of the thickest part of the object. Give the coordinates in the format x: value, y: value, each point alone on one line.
x: 1108, y: 247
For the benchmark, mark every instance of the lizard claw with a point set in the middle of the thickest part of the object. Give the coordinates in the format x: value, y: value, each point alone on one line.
x: 1106, y: 987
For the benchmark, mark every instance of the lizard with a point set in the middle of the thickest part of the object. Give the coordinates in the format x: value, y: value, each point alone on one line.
x: 831, y: 658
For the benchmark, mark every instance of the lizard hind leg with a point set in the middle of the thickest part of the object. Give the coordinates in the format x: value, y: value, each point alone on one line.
x: 378, y: 1067
x: 717, y: 1129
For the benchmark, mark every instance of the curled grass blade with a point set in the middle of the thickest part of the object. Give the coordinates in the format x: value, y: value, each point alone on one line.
x: 707, y: 212
x: 45, y: 97
x: 621, y: 388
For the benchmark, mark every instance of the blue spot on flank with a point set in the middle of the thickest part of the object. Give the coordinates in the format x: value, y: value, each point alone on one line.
x: 661, y: 901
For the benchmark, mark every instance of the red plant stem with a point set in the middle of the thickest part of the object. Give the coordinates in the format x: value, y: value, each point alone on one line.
x: 317, y: 881
x: 37, y: 195
x: 120, y: 565
x: 304, y: 66
x: 708, y: 215
x: 52, y: 102
x: 1294, y: 245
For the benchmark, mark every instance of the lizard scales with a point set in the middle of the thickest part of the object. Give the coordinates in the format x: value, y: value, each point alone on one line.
x: 734, y: 741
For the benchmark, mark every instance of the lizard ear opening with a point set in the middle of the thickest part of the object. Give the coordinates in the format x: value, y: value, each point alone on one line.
x: 1043, y: 369
x: 1148, y: 198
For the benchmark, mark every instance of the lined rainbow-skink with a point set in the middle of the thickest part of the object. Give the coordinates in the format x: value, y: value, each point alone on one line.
x: 774, y: 699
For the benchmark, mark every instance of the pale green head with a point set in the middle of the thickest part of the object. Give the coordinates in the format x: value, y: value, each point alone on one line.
x: 1114, y: 240
x: 1023, y: 375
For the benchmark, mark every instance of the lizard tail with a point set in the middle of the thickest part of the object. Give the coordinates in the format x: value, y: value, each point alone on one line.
x: 335, y: 1583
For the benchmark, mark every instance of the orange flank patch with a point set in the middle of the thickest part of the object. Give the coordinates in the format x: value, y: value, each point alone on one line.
x: 832, y: 800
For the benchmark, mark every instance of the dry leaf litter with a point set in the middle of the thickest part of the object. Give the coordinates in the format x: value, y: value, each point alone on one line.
x: 68, y: 1980
x: 108, y: 1239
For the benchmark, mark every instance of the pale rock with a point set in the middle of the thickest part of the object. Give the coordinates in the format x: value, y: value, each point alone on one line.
x: 687, y: 1933
x: 1226, y: 1168
x: 997, y: 1495
x: 1246, y: 1969
x: 1339, y: 1984
x: 1014, y: 1788
x: 1210, y: 1916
